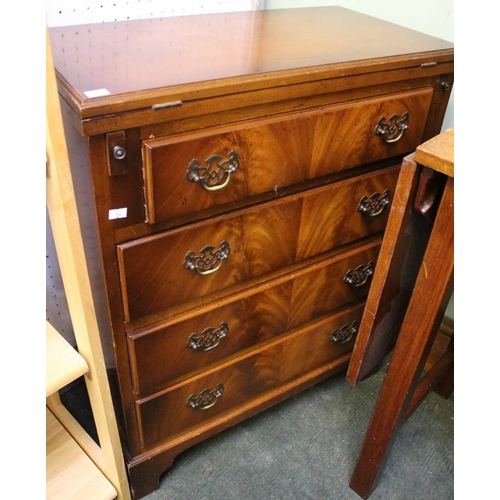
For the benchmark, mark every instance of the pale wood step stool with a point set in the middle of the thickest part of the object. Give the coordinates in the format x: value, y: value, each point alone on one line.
x: 76, y: 467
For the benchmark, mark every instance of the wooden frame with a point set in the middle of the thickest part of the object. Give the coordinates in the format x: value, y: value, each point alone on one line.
x: 70, y: 251
x: 419, y: 315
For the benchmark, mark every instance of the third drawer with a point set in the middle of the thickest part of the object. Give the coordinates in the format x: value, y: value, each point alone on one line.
x: 159, y: 356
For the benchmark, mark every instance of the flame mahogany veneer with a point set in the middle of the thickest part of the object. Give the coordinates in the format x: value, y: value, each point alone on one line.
x: 233, y: 183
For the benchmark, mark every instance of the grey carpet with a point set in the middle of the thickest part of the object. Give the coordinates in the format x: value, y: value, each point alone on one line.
x: 305, y: 448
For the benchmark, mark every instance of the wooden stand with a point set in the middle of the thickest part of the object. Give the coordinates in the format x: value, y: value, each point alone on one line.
x: 77, y: 468
x: 419, y: 194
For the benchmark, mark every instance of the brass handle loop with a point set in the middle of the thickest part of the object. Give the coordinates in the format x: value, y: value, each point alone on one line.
x: 209, y: 338
x: 394, y: 129
x: 375, y: 205
x: 216, y: 174
x: 209, y: 260
x: 206, y: 399
x: 344, y: 333
x: 360, y: 275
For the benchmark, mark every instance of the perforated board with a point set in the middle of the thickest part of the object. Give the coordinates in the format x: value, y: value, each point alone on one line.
x: 73, y: 12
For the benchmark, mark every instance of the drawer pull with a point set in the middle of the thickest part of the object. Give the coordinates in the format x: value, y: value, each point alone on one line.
x: 209, y: 261
x: 209, y: 338
x: 344, y: 333
x: 394, y: 129
x: 360, y: 275
x: 206, y: 399
x: 375, y: 205
x: 215, y: 175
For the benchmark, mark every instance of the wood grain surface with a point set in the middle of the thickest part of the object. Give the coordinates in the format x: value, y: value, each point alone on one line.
x: 222, y: 46
x: 161, y: 355
x: 258, y: 371
x: 62, y: 361
x: 299, y: 93
x: 276, y: 152
x: 151, y: 269
x: 438, y: 153
x: 421, y: 323
x: 70, y: 474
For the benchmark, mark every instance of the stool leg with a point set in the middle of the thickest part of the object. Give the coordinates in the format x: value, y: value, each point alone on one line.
x: 417, y: 334
x: 445, y: 386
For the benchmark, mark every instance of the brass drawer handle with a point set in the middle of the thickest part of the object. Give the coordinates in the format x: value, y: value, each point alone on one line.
x: 344, y: 333
x: 206, y: 399
x: 375, y: 205
x: 209, y: 338
x: 216, y: 174
x: 209, y: 261
x: 360, y: 275
x: 394, y: 129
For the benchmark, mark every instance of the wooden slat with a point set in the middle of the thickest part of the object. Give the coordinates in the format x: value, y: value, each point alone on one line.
x: 77, y: 432
x: 430, y: 380
x: 424, y: 314
x: 393, y: 280
x: 70, y: 474
x: 62, y: 363
x: 438, y: 153
x: 443, y: 339
x: 68, y: 240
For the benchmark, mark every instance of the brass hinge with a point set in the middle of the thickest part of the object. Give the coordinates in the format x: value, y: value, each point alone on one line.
x: 164, y: 105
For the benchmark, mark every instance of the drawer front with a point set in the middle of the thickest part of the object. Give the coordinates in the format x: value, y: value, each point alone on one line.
x: 171, y: 268
x: 200, y: 400
x: 160, y: 356
x: 188, y: 173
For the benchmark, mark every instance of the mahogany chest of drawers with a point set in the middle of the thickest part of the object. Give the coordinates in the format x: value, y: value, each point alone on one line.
x: 234, y: 175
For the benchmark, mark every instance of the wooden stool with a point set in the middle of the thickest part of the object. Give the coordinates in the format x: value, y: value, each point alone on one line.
x: 410, y: 290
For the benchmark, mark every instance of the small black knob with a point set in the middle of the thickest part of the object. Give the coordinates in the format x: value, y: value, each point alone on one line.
x: 446, y: 85
x: 119, y: 153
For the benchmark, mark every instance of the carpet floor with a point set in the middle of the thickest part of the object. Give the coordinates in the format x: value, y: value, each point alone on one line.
x: 305, y: 449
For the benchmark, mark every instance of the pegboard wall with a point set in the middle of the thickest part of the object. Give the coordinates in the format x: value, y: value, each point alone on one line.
x: 56, y: 305
x: 73, y: 12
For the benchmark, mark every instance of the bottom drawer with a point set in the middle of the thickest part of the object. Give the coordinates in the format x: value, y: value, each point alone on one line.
x: 200, y: 399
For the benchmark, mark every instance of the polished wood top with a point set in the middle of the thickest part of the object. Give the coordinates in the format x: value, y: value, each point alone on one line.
x: 142, y: 55
x: 438, y: 153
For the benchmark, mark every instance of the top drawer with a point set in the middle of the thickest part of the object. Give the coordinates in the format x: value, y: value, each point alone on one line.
x: 191, y: 172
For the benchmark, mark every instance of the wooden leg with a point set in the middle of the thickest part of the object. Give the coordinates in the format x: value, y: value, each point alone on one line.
x: 406, y: 236
x: 144, y: 477
x: 397, y: 268
x: 424, y: 315
x: 445, y: 386
x: 431, y: 380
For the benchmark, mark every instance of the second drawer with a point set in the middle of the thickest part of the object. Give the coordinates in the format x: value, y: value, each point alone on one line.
x: 164, y: 354
x: 171, y: 268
